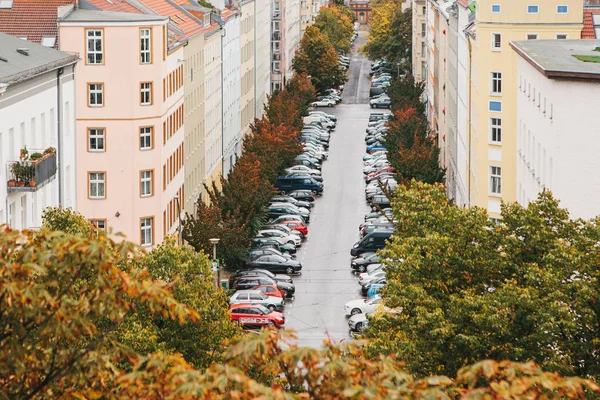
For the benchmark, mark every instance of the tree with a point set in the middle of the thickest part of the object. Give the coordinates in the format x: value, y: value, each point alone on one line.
x: 337, y: 25
x: 317, y: 57
x: 286, y: 107
x: 471, y: 289
x: 405, y: 93
x: 66, y: 220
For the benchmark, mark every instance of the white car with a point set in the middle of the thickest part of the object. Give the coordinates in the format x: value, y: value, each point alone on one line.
x: 291, y: 239
x: 376, y: 166
x: 358, y: 322
x: 257, y: 297
x: 362, y: 306
x: 323, y: 114
x: 323, y: 103
x: 366, y: 278
x: 303, y: 168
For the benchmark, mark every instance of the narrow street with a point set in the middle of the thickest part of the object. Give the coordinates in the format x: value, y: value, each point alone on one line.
x: 327, y: 282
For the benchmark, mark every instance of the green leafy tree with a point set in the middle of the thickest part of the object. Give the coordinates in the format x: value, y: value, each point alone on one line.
x: 317, y: 57
x: 337, y: 25
x: 471, y: 289
x: 405, y: 93
x: 66, y: 220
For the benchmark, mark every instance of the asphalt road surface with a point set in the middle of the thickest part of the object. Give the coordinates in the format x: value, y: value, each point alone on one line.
x: 327, y: 281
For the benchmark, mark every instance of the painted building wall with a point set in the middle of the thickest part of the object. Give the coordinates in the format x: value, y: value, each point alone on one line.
x: 278, y: 47
x: 194, y: 106
x: 231, y: 92
x: 247, y: 67
x: 419, y: 48
x: 122, y: 117
x: 306, y: 19
x: 29, y: 118
x: 557, y: 140
x: 512, y: 22
x: 213, y: 109
x: 262, y: 54
x: 292, y: 33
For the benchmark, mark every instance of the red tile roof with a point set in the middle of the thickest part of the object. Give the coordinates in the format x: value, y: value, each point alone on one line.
x: 178, y: 16
x: 114, y: 5
x: 32, y: 18
x: 588, y: 23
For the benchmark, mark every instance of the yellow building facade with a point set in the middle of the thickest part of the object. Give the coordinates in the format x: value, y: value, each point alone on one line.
x: 492, y: 118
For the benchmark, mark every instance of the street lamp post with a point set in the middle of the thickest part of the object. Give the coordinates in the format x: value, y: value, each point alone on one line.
x: 214, y: 242
x: 180, y: 236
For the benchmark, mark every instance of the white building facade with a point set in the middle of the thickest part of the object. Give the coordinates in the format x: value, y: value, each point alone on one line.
x: 213, y: 140
x: 292, y: 33
x: 558, y: 132
x: 37, y: 112
x: 262, y: 55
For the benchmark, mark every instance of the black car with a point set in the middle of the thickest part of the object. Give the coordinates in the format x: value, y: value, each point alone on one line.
x: 361, y: 263
x: 365, y: 289
x: 257, y: 252
x: 289, y: 199
x: 380, y: 200
x: 303, y: 195
x: 260, y: 242
x: 275, y: 263
x: 259, y: 272
x: 250, y: 282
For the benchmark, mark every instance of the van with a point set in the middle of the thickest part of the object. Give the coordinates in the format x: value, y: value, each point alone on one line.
x: 288, y: 184
x: 371, y: 243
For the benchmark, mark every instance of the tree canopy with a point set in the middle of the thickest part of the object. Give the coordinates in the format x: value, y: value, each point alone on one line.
x: 317, y: 57
x: 336, y: 22
x: 524, y: 289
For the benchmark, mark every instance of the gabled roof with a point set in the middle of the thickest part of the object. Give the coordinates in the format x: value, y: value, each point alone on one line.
x: 79, y: 15
x: 180, y: 18
x: 20, y: 60
x: 32, y: 18
x: 591, y: 23
x: 108, y: 5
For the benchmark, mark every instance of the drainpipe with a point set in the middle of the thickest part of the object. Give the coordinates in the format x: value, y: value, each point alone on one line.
x: 469, y: 118
x: 59, y: 72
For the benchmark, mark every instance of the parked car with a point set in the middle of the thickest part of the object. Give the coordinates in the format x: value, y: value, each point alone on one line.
x: 271, y: 290
x: 371, y: 243
x: 303, y: 195
x: 259, y: 242
x: 375, y: 147
x: 380, y: 200
x: 317, y: 178
x: 291, y: 239
x: 275, y: 263
x: 382, y: 102
x: 288, y: 199
x: 358, y: 322
x: 361, y: 263
x: 323, y: 113
x: 379, y: 116
x: 285, y: 229
x: 278, y: 209
x: 308, y: 163
x: 257, y: 297
x: 256, y: 252
x: 372, y: 227
x: 374, y: 288
x: 303, y: 168
x: 255, y: 316
x: 249, y: 282
x: 362, y: 306
x: 379, y: 281
x: 376, y: 214
x: 366, y: 278
x: 296, y: 225
x: 326, y: 102
x: 288, y: 217
x: 379, y: 172
x: 259, y: 272
x: 289, y: 184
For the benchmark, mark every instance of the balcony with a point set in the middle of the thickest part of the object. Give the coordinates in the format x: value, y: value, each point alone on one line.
x: 276, y: 15
x: 276, y: 56
x: 276, y: 35
x: 31, y: 172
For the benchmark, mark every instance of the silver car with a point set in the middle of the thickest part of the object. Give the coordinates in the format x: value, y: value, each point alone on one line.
x: 257, y: 297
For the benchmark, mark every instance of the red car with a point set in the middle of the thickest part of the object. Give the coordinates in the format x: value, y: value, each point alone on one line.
x: 297, y: 226
x: 271, y: 290
x: 255, y: 316
x: 381, y: 171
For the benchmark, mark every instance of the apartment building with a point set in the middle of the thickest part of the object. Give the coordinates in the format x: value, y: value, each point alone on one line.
x: 213, y: 142
x: 558, y: 123
x: 419, y: 40
x: 231, y: 90
x: 37, y: 131
x: 306, y: 20
x: 278, y: 54
x: 262, y: 55
x: 293, y: 34
x: 247, y: 66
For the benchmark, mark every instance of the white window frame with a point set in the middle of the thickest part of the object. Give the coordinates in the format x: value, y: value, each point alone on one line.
x: 96, y: 90
x: 146, y: 137
x: 145, y: 46
x: 278, y: 25
x: 494, y: 47
x: 533, y: 12
x: 96, y: 223
x: 532, y: 38
x: 423, y: 30
x: 146, y: 93
x: 146, y: 183
x: 423, y: 49
x: 97, y: 180
x: 495, y: 130
x: 499, y: 8
x: 97, y: 55
x: 495, y: 83
x: 276, y: 66
x: 146, y: 231
x: 562, y: 5
x: 495, y: 173
x: 565, y: 36
x: 99, y: 135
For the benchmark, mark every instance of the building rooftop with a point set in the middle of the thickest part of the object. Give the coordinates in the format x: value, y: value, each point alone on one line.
x: 20, y: 60
x: 108, y: 5
x: 562, y: 58
x: 34, y: 19
x: 591, y: 23
x: 79, y: 15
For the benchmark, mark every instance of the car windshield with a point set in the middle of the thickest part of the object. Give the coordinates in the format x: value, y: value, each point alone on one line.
x: 373, y: 300
x: 263, y: 309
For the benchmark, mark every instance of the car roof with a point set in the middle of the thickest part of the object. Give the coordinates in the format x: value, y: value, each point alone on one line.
x: 248, y: 291
x: 243, y: 305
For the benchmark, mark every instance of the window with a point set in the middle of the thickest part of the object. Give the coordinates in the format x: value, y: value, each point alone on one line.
x: 495, y: 106
x: 532, y: 36
x: 496, y: 130
x: 495, y: 8
x: 561, y: 36
x: 275, y: 65
x: 145, y: 55
x: 423, y: 69
x: 49, y: 41
x: 95, y: 50
x: 562, y: 9
x: 424, y: 10
x: 96, y: 140
x: 532, y: 9
x: 496, y: 41
x: 97, y: 182
x: 423, y: 49
x: 276, y: 45
x: 146, y: 93
x: 146, y: 183
x: 277, y: 6
x: 495, y: 180
x: 146, y: 231
x: 146, y: 138
x: 496, y: 82
x: 276, y: 26
x: 99, y: 224
x: 95, y: 95
x: 423, y: 29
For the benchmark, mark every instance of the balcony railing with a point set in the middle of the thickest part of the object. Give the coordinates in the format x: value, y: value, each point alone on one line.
x: 29, y: 175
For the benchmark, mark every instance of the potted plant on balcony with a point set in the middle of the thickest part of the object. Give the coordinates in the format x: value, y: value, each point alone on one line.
x: 19, y: 172
x: 24, y: 153
x: 50, y: 150
x: 35, y: 157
